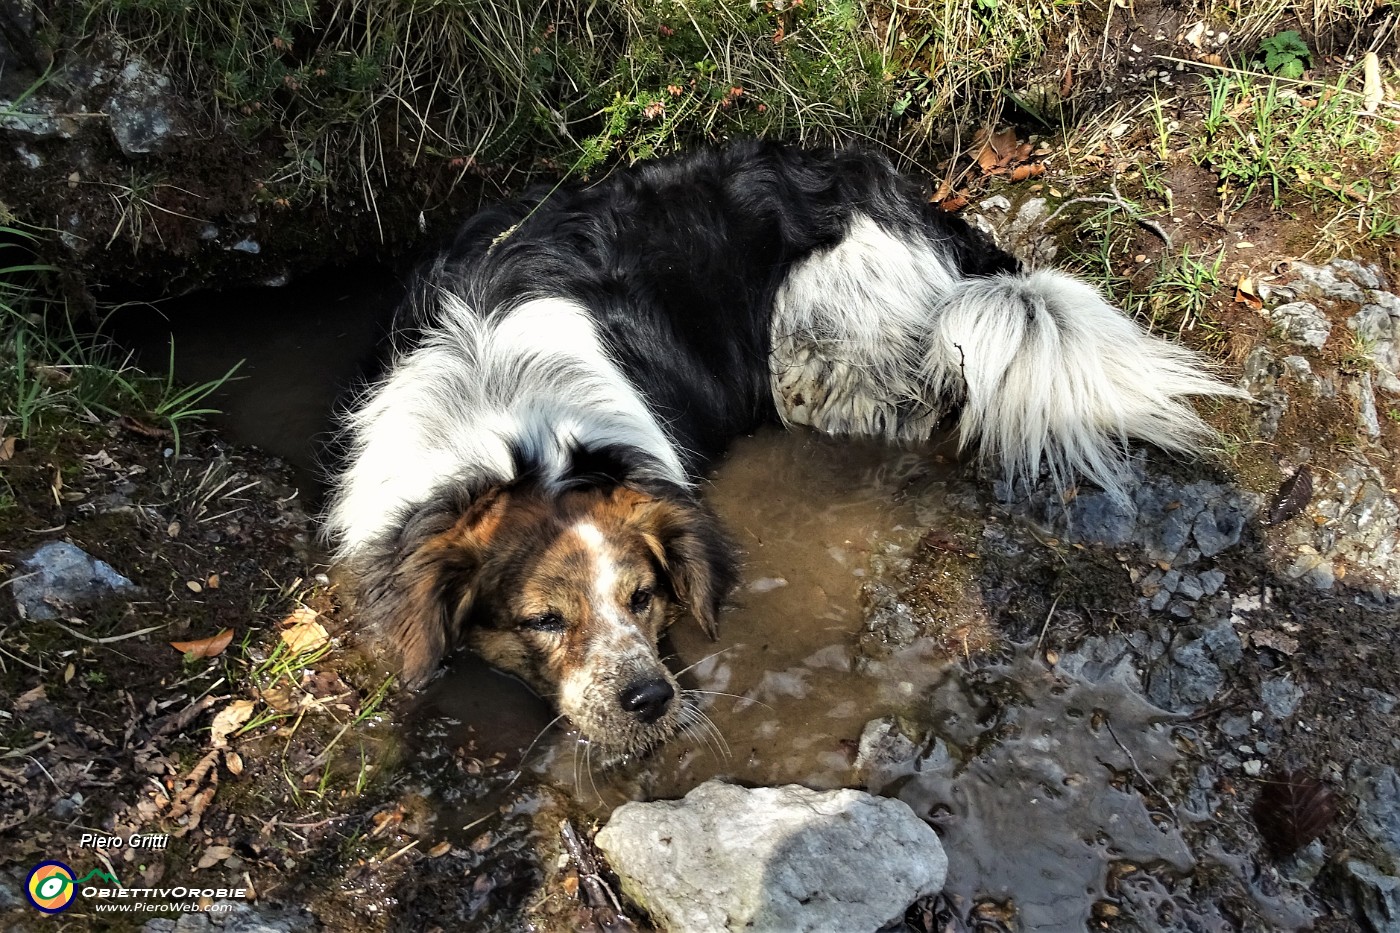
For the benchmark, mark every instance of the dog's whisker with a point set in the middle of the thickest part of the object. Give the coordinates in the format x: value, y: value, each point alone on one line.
x: 524, y: 756
x: 708, y: 724
x: 736, y: 696
x: 700, y: 726
x: 713, y: 654
x: 588, y: 770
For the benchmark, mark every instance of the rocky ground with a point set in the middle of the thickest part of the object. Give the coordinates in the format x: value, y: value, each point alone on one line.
x: 1186, y: 720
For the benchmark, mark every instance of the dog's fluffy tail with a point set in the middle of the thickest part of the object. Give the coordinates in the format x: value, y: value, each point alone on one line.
x: 1051, y: 373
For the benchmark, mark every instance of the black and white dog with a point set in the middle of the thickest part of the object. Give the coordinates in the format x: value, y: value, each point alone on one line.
x: 523, y: 480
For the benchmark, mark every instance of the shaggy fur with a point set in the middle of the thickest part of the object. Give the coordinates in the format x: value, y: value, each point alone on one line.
x: 576, y: 359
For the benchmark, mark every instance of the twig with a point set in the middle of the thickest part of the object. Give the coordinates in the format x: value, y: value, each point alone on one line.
x: 404, y: 851
x: 1138, y: 771
x: 1118, y: 201
x: 17, y: 752
x: 1048, y: 616
x: 600, y: 895
x: 111, y: 639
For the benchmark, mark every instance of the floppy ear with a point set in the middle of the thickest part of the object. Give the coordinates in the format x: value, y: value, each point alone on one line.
x: 695, y: 553
x: 416, y: 593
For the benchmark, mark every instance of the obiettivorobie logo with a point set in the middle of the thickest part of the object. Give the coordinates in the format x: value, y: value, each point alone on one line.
x: 51, y: 886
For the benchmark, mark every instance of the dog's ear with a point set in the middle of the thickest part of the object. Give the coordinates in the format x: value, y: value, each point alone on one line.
x: 417, y: 593
x: 694, y: 552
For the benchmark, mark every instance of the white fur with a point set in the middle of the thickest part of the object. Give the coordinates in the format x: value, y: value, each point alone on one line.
x: 1054, y: 374
x: 849, y: 332
x: 870, y: 335
x: 535, y: 376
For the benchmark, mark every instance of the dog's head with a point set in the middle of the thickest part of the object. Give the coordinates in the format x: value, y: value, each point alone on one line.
x: 568, y: 590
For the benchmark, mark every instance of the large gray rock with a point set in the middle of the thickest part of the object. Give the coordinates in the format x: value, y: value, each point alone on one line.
x: 61, y: 573
x: 773, y: 858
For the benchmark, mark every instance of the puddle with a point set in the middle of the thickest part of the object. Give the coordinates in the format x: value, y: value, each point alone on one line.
x: 1035, y: 783
x: 300, y: 346
x: 784, y: 686
x: 1042, y: 786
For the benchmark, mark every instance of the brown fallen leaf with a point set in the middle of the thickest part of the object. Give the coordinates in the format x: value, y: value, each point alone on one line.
x: 1247, y: 293
x: 1293, y: 496
x: 30, y: 699
x: 1022, y: 172
x: 994, y: 151
x: 210, y: 647
x: 7, y: 448
x: 213, y: 856
x: 229, y: 720
x: 1293, y: 811
x: 303, y: 632
x: 955, y: 203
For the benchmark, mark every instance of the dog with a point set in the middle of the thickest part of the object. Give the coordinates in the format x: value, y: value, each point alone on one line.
x: 523, y: 480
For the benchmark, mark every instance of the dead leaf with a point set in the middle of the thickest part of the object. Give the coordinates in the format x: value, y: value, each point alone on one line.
x: 956, y: 203
x: 1293, y: 811
x: 1373, y: 92
x: 68, y: 672
x: 213, y: 856
x: 1293, y: 496
x: 234, y: 762
x: 1247, y: 293
x: 994, y: 151
x: 302, y: 632
x: 279, y: 697
x: 7, y: 448
x: 210, y: 647
x: 1022, y: 172
x: 442, y: 848
x: 229, y: 720
x: 213, y: 581
x: 30, y: 699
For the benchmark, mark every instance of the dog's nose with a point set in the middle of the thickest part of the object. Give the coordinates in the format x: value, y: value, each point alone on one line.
x: 647, y: 698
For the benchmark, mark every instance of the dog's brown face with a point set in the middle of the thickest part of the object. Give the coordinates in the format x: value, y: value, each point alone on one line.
x: 569, y: 591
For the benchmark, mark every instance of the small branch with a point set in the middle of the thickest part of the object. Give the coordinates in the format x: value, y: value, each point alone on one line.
x: 1118, y: 201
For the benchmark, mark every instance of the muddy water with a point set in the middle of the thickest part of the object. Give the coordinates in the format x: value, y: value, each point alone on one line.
x: 1034, y: 780
x: 784, y: 685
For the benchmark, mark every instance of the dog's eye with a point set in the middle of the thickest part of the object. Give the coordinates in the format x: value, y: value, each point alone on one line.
x: 641, y: 600
x: 544, y: 622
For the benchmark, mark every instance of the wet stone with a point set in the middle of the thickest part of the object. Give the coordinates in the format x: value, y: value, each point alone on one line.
x: 1218, y: 527
x: 1303, y: 323
x: 1280, y: 696
x: 1235, y: 726
x: 882, y: 745
x: 1304, y: 867
x: 1190, y: 588
x: 144, y: 113
x: 773, y: 858
x: 1377, y: 791
x: 1211, y: 581
x: 1375, y: 896
x: 1190, y: 675
x: 1377, y: 327
x: 62, y: 573
x: 1380, y: 701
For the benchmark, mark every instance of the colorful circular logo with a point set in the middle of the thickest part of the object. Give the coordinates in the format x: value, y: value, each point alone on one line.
x: 50, y: 887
